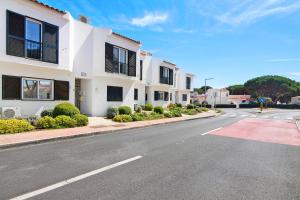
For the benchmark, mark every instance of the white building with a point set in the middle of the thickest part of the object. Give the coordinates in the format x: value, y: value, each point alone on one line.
x: 165, y: 82
x: 47, y: 57
x: 295, y: 100
x: 217, y: 96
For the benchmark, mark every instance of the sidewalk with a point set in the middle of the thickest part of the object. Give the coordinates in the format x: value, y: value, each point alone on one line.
x: 94, y: 128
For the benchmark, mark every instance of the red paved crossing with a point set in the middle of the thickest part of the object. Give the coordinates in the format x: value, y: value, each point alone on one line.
x: 273, y: 131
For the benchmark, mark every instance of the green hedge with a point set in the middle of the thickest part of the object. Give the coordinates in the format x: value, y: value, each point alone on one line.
x: 81, y: 120
x: 148, y: 107
x: 159, y: 110
x: 46, y: 123
x: 66, y: 109
x: 64, y: 121
x: 122, y: 118
x: 8, y: 126
x: 112, y: 112
x: 125, y: 110
x: 48, y: 112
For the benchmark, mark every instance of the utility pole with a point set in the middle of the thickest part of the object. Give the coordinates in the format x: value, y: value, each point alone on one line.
x: 205, y: 80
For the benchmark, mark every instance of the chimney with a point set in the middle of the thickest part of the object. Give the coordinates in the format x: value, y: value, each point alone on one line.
x: 83, y: 19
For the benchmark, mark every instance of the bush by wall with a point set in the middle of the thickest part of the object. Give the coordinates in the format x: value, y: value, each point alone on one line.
x: 159, y: 110
x: 112, y: 112
x: 190, y: 106
x: 46, y: 122
x: 67, y: 109
x: 148, y: 107
x: 64, y: 121
x: 48, y: 112
x: 122, y: 118
x: 137, y: 117
x: 124, y: 110
x: 81, y: 120
x: 8, y: 126
x: 179, y: 105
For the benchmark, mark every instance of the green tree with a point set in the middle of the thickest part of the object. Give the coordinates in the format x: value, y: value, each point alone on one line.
x: 236, y: 89
x: 201, y: 90
x: 278, y: 88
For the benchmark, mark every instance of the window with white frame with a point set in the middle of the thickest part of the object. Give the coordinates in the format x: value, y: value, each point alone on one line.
x: 120, y: 60
x: 37, y: 89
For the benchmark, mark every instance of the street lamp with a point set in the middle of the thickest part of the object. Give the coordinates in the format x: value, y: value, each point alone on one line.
x: 205, y: 80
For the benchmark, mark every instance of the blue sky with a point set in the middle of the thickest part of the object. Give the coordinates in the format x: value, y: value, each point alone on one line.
x: 230, y: 40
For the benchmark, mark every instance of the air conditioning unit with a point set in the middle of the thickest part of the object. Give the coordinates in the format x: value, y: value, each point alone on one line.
x: 10, y: 112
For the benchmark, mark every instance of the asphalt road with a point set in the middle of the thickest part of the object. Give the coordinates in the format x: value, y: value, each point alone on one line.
x: 178, y: 161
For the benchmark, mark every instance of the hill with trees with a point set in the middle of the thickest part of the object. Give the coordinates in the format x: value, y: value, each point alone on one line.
x: 201, y: 90
x: 278, y: 88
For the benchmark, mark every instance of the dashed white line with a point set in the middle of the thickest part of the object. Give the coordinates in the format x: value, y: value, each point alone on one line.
x: 244, y: 115
x: 74, y: 179
x: 211, y: 131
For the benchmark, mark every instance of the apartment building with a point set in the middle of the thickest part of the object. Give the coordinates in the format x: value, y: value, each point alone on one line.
x: 165, y: 82
x: 48, y: 57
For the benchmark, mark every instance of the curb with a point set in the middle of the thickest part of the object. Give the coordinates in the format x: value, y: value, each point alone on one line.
x: 21, y: 144
x: 298, y: 124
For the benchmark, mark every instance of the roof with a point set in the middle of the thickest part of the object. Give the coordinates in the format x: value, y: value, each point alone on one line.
x: 127, y: 38
x: 169, y: 62
x: 48, y: 6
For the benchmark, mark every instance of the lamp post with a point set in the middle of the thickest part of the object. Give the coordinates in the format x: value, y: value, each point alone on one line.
x: 205, y: 80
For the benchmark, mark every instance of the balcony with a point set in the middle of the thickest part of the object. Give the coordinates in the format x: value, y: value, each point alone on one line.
x: 31, y: 49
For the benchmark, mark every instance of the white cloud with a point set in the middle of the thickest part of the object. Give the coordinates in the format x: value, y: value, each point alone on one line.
x: 294, y: 73
x: 240, y: 12
x: 151, y: 18
x: 181, y: 30
x: 283, y: 60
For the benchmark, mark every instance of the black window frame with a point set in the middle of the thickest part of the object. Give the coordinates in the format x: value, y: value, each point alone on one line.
x: 115, y: 97
x: 141, y: 70
x: 25, y: 40
x: 188, y: 83
x: 17, y: 95
x: 184, y: 97
x: 136, y: 94
x: 169, y: 78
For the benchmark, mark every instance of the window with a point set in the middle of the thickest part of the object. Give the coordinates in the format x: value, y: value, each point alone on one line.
x: 188, y: 83
x: 120, y: 60
x: 114, y: 93
x: 61, y: 90
x: 11, y: 87
x: 36, y: 89
x: 171, y: 96
x: 31, y: 38
x: 166, y: 96
x: 166, y: 75
x: 184, y: 97
x: 160, y: 96
x: 141, y: 70
x: 136, y: 94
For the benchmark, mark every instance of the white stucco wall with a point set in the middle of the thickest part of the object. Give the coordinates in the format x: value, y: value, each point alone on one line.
x: 34, y: 107
x: 43, y: 14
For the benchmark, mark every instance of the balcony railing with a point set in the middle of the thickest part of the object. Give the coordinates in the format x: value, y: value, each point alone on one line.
x: 17, y: 46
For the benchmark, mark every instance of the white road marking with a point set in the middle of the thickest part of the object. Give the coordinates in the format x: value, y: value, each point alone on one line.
x: 244, y: 115
x: 275, y: 117
x: 253, y: 116
x: 289, y: 118
x: 232, y: 115
x: 74, y: 179
x: 265, y: 116
x: 211, y: 131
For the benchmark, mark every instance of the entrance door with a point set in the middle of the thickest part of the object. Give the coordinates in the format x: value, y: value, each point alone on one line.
x: 77, y: 93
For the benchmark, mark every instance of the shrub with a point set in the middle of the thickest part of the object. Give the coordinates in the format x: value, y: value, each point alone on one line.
x: 148, y: 107
x: 124, y: 110
x: 137, y: 117
x: 191, y: 112
x: 190, y: 106
x: 179, y: 105
x: 81, y: 120
x: 64, y: 121
x: 168, y: 114
x: 199, y: 110
x: 48, y: 112
x: 122, y: 118
x: 176, y: 113
x: 171, y: 106
x: 159, y: 110
x: 14, y: 126
x: 218, y: 111
x: 154, y: 115
x: 111, y: 112
x: 46, y: 122
x: 67, y: 109
x: 204, y: 109
x: 139, y: 109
